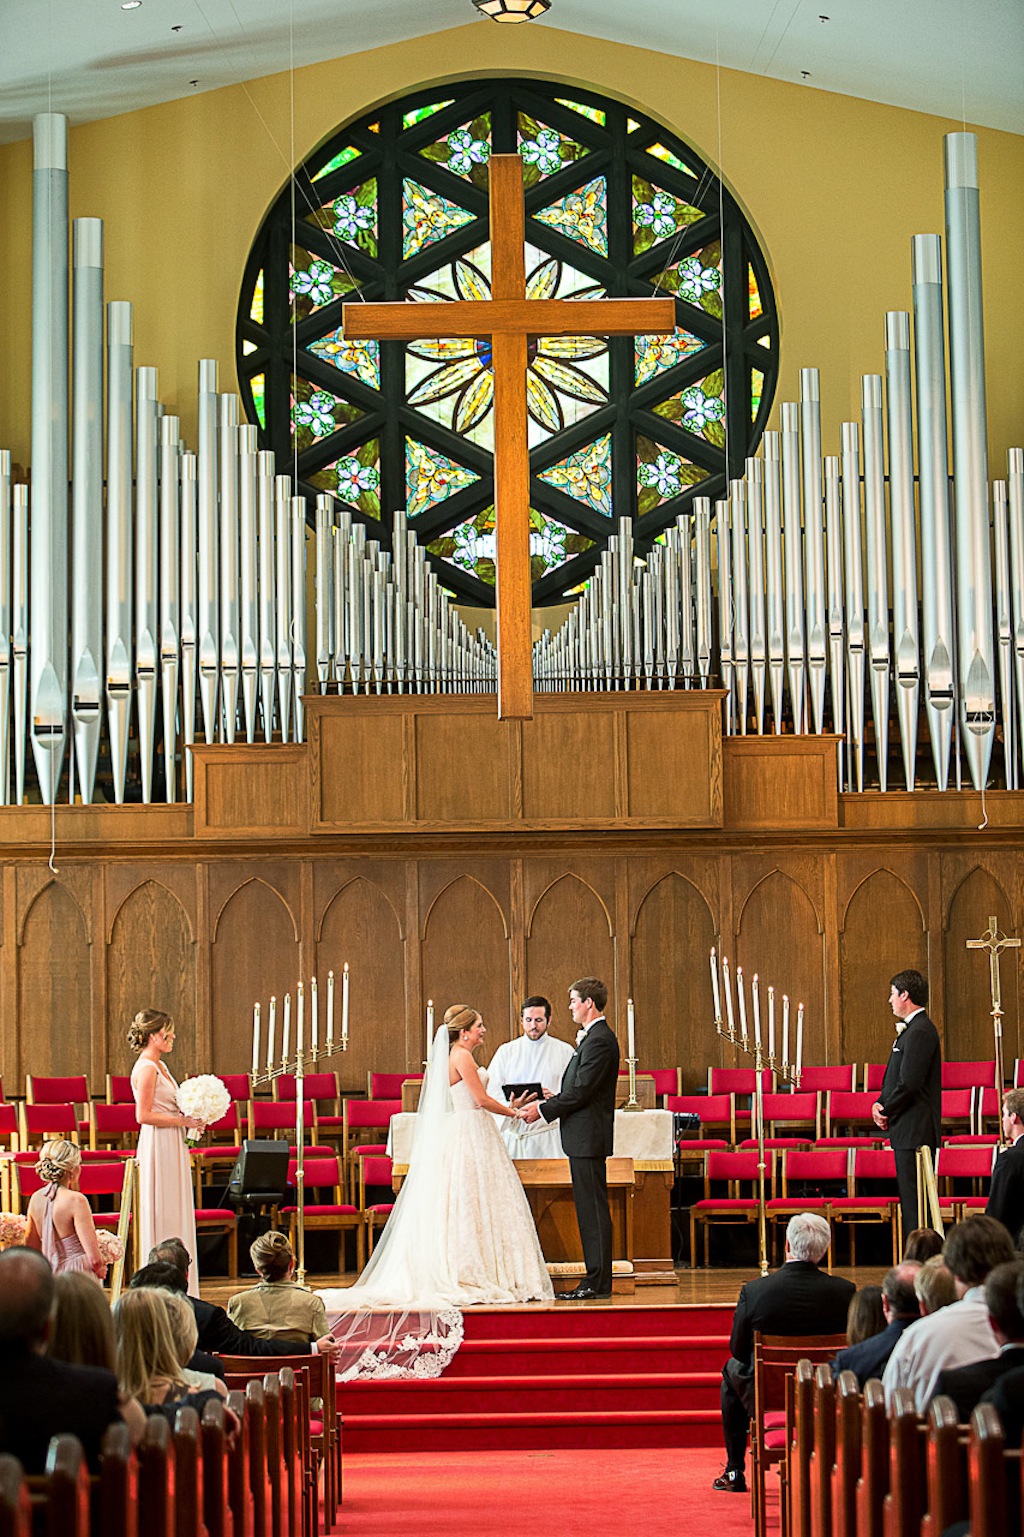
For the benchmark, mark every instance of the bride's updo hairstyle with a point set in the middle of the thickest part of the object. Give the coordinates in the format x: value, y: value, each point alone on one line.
x: 59, y: 1161
x: 458, y: 1018
x: 147, y: 1022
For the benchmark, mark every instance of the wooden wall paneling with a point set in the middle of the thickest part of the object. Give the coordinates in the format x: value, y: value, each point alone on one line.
x: 435, y: 874
x: 284, y: 876
x: 415, y: 994
x: 569, y: 935
x: 779, y: 936
x: 674, y: 760
x: 99, y: 1002
x: 454, y: 785
x: 205, y: 925
x: 8, y: 979
x: 830, y: 925
x: 518, y: 984
x: 54, y: 986
x: 256, y: 955
x: 882, y: 931
x: 566, y: 773
x: 968, y: 1033
x: 360, y: 925
x: 673, y: 932
x: 248, y: 789
x: 774, y: 781
x: 465, y: 953
x: 151, y: 964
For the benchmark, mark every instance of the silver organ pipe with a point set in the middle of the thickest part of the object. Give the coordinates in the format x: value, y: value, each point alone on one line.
x: 267, y: 590
x: 206, y: 515
x: 853, y: 599
x: 19, y: 633
x: 702, y: 577
x: 877, y: 566
x: 227, y: 474
x: 814, y: 561
x: 1004, y: 625
x: 86, y: 500
x: 1015, y: 500
x: 906, y: 645
x: 170, y: 593
x: 119, y: 539
x: 283, y: 613
x: 740, y: 597
x: 775, y: 590
x: 49, y: 548
x: 796, y: 656
x: 324, y: 592
x: 933, y: 498
x: 970, y: 452
x: 834, y: 597
x: 725, y: 612
x: 755, y: 547
x: 146, y: 498
x: 298, y: 614
x: 187, y: 612
x: 5, y: 623
x: 248, y: 574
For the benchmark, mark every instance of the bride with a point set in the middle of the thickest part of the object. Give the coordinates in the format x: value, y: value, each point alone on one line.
x: 461, y: 1232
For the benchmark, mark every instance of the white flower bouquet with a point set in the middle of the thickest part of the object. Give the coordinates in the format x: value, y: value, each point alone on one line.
x: 111, y: 1247
x: 12, y: 1230
x: 205, y: 1099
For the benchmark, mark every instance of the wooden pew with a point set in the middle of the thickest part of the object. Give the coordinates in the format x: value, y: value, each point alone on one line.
x: 324, y: 1443
x: 156, y: 1478
x: 217, y: 1514
x: 987, y: 1473
x: 116, y: 1500
x: 15, y: 1500
x: 905, y: 1502
x: 238, y: 1470
x: 188, y: 1474
x: 66, y: 1490
x: 295, y: 1416
x: 947, y: 1490
x: 259, y: 1484
x: 280, y: 1508
x: 824, y: 1454
x: 800, y: 1450
x: 847, y: 1459
x: 873, y: 1483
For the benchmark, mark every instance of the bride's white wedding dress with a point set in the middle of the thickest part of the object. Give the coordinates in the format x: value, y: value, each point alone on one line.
x: 461, y: 1233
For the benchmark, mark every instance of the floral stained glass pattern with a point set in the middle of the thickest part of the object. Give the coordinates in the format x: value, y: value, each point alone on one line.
x: 427, y: 217
x: 314, y: 282
x: 586, y: 476
x: 471, y: 545
x: 465, y: 151
x: 699, y: 408
x: 431, y: 477
x: 657, y: 215
x: 544, y: 150
x: 697, y: 279
x: 355, y: 479
x: 316, y: 413
x: 352, y: 217
x: 654, y: 354
x: 360, y: 359
x: 582, y: 215
x: 662, y: 475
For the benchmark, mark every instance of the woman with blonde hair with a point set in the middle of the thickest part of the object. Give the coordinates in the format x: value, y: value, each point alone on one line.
x: 277, y: 1307
x: 185, y: 1333
x: 166, y: 1205
x: 60, y: 1222
x: 82, y: 1334
x: 147, y: 1361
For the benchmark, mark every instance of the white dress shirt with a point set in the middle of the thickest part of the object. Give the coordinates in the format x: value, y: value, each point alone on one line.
x: 954, y: 1336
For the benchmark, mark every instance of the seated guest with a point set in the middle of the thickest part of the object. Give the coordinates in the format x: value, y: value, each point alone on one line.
x: 934, y: 1286
x: 217, y: 1333
x: 167, y: 1278
x: 277, y: 1307
x: 899, y: 1307
x: 922, y: 1244
x: 961, y: 1333
x: 60, y: 1222
x: 866, y: 1316
x: 1007, y: 1395
x: 147, y: 1361
x: 82, y: 1334
x: 798, y: 1299
x: 40, y: 1397
x: 965, y: 1384
x: 185, y: 1333
x: 1006, y: 1192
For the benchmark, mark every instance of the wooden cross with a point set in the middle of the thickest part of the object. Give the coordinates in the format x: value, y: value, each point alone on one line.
x: 995, y: 943
x: 508, y: 319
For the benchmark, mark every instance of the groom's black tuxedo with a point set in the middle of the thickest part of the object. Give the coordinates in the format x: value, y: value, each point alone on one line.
x: 585, y: 1108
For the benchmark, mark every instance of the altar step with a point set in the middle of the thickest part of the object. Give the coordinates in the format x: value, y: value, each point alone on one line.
x: 561, y: 1377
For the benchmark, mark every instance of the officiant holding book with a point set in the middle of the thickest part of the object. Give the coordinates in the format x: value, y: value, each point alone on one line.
x: 536, y: 1059
x: 585, y: 1109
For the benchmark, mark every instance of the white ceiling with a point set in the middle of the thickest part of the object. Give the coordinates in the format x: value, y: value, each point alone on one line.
x: 90, y: 59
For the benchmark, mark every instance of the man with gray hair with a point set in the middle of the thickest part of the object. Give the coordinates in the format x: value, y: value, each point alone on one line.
x: 899, y: 1304
x: 798, y: 1299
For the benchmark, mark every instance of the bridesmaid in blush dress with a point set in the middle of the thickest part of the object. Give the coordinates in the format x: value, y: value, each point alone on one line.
x: 166, y: 1206
x: 60, y: 1223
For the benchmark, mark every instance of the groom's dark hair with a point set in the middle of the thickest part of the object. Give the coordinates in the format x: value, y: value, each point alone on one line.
x: 590, y: 987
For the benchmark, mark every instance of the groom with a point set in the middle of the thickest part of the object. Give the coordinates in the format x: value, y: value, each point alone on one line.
x: 585, y: 1105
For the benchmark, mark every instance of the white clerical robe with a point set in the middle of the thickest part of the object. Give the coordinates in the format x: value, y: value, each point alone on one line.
x: 526, y: 1061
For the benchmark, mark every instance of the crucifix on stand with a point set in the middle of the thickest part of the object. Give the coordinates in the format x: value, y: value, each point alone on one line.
x: 995, y: 942
x: 508, y: 319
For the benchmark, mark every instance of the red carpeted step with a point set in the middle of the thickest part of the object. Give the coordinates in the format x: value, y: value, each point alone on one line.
x: 568, y: 1319
x: 550, y: 1393
x: 524, y: 1358
x: 528, y: 1430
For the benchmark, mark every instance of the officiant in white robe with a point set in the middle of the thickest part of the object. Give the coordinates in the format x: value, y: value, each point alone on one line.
x: 535, y: 1056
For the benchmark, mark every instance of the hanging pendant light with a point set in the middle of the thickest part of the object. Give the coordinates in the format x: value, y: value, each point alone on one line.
x: 512, y: 10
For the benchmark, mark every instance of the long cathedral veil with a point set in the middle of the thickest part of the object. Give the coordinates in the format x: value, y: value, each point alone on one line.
x: 396, y: 1320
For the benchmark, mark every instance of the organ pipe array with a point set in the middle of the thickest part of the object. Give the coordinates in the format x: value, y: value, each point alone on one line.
x: 826, y: 592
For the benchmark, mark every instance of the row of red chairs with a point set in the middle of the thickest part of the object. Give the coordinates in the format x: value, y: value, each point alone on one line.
x: 816, y: 1112
x: 845, y: 1076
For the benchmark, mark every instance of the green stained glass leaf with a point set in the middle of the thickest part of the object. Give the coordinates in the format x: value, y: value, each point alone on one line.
x: 581, y: 215
x: 699, y: 408
x: 661, y: 475
x: 342, y: 158
x: 352, y: 217
x: 355, y: 479
x: 657, y: 215
x: 316, y: 413
x: 659, y: 152
x: 431, y: 477
x: 544, y: 150
x: 428, y: 217
x: 256, y: 307
x: 361, y: 359
x: 593, y: 114
x: 465, y: 151
x: 418, y: 114
x: 654, y: 354
x: 585, y: 475
x: 258, y: 385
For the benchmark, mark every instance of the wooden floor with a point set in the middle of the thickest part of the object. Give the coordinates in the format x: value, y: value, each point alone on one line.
x: 692, y: 1287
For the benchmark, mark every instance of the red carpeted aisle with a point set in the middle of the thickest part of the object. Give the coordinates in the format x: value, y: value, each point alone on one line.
x: 655, y: 1492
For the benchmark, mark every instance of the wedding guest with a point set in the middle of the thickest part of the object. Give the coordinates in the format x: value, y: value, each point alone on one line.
x: 1006, y: 1192
x: 60, y: 1221
x: 82, y: 1334
x: 148, y: 1367
x: 41, y: 1397
x: 934, y: 1286
x: 866, y: 1316
x: 166, y: 1205
x: 277, y: 1307
x: 965, y: 1384
x: 900, y: 1309
x: 922, y: 1244
x: 185, y: 1334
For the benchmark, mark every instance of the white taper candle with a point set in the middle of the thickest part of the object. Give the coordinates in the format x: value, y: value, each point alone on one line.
x: 314, y: 1014
x: 344, y: 1003
x: 330, y: 1012
x: 771, y: 1023
x: 430, y: 1026
x: 287, y: 1027
x: 271, y: 1032
x: 741, y: 999
x: 714, y: 987
x: 757, y: 1012
x: 300, y: 993
x: 799, y: 1039
x: 728, y: 997
x: 785, y: 1032
x: 255, y: 1039
x: 630, y: 1029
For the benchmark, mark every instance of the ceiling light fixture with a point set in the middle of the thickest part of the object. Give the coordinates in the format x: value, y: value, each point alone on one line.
x: 512, y: 11
x: 130, y: 5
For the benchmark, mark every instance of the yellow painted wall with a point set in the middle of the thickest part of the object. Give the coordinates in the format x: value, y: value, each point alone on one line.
x: 834, y: 186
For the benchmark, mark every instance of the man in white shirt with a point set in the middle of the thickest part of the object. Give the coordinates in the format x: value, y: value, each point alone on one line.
x: 535, y: 1056
x: 960, y: 1334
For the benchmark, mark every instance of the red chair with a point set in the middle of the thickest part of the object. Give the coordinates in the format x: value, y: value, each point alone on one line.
x: 273, y: 1117
x: 113, y: 1126
x: 321, y: 1088
x: 374, y: 1171
x: 851, y: 1141
x: 667, y: 1080
x: 360, y: 1116
x: 119, y: 1089
x: 822, y: 1176
x: 959, y: 1163
x: 969, y: 1075
x: 41, y: 1123
x: 800, y: 1111
x: 222, y: 1152
x: 73, y: 1089
x: 717, y: 1111
x: 107, y: 1178
x: 988, y: 1107
x: 819, y: 1080
x: 318, y: 1174
x: 849, y: 1109
x: 958, y: 1107
x: 9, y: 1132
x: 874, y: 1072
x: 389, y: 1085
x: 870, y: 1166
x: 734, y: 1170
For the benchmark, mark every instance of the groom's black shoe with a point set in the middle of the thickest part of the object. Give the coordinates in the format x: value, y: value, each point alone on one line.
x: 580, y: 1294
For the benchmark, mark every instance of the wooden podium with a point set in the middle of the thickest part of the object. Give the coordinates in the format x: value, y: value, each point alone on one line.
x: 548, y: 1186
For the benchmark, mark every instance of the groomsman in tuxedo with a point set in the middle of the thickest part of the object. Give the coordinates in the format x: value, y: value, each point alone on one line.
x: 909, y: 1106
x: 1006, y: 1192
x: 585, y: 1107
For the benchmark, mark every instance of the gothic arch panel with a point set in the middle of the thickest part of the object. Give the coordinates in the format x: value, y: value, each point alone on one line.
x: 968, y: 1024
x: 672, y: 938
x: 360, y: 927
x: 255, y: 956
x: 150, y: 964
x: 54, y: 986
x: 568, y: 938
x: 779, y: 940
x: 883, y: 933
x: 465, y: 960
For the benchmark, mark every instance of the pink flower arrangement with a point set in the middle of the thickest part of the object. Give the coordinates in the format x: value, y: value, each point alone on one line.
x: 12, y: 1230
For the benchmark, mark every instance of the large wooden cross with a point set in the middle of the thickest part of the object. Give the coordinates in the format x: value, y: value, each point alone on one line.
x: 508, y: 319
x: 995, y: 942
